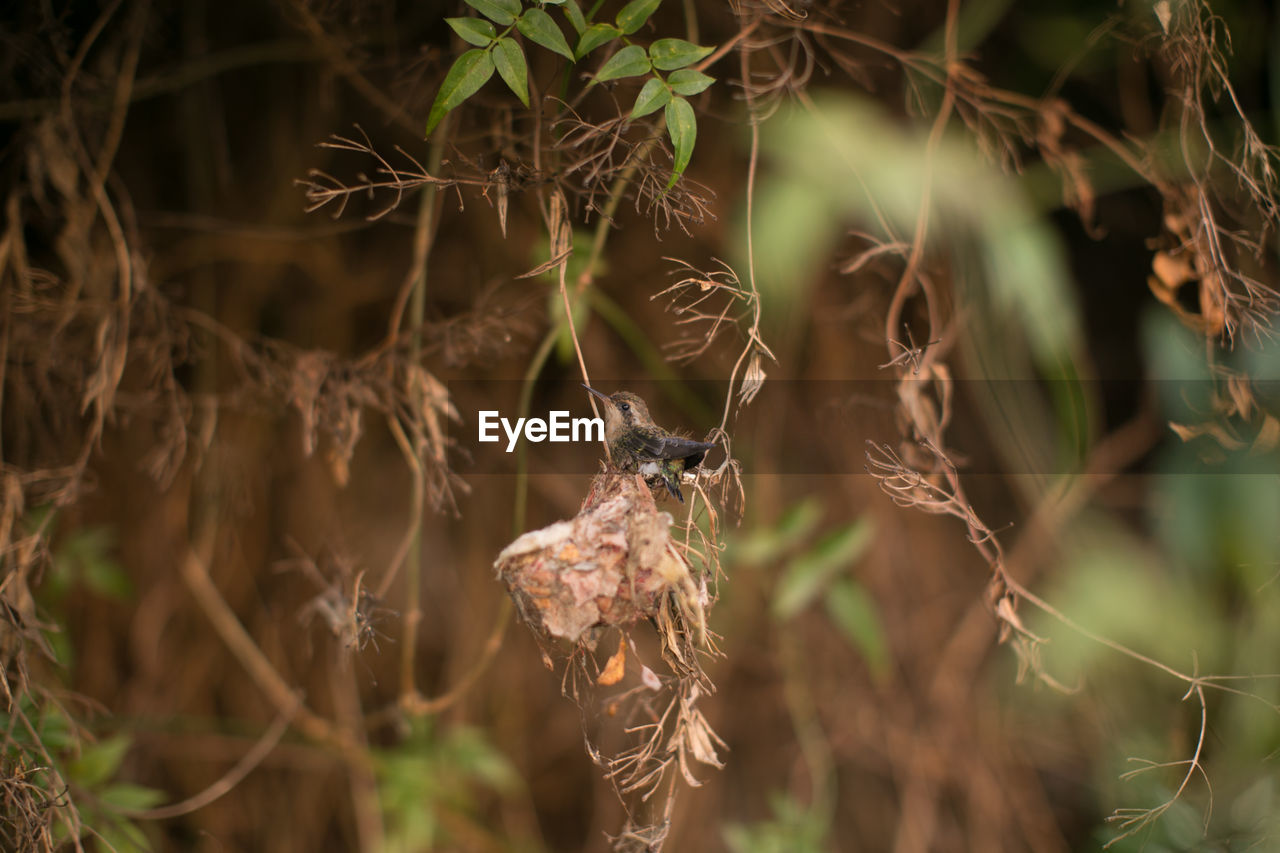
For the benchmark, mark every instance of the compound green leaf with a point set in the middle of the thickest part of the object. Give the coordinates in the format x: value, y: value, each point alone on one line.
x: 475, y: 31
x: 508, y: 58
x: 653, y: 97
x: 537, y: 26
x: 467, y: 74
x: 670, y: 54
x: 687, y: 81
x: 634, y: 14
x: 682, y: 127
x: 631, y: 61
x: 499, y: 11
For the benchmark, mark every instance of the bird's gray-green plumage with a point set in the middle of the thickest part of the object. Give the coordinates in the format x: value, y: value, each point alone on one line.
x: 637, y: 444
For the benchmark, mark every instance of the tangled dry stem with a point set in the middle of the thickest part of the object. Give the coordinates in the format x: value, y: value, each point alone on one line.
x: 920, y: 472
x: 77, y: 331
x: 83, y: 331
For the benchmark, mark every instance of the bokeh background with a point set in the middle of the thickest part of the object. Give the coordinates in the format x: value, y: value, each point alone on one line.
x: 980, y: 295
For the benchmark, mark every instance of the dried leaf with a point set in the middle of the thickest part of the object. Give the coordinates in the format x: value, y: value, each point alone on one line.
x: 650, y: 678
x: 1241, y: 393
x: 616, y: 667
x: 1172, y: 272
x: 559, y: 228
x: 1268, y: 438
x: 547, y: 266
x: 1217, y: 432
x: 752, y: 380
x: 1213, y: 309
x: 1006, y: 612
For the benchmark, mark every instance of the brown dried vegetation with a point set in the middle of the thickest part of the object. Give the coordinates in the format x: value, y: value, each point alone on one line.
x: 266, y: 409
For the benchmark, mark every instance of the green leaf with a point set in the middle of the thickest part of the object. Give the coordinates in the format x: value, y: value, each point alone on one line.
x: 127, y: 796
x: 596, y: 35
x: 475, y: 31
x: 108, y: 580
x: 122, y: 836
x: 468, y: 73
x: 686, y: 81
x: 430, y: 773
x: 682, y: 127
x: 631, y: 61
x: 581, y: 317
x: 509, y: 60
x: 654, y: 96
x: 574, y: 15
x: 854, y: 612
x: 1024, y: 284
x: 499, y: 11
x: 470, y: 751
x: 98, y: 762
x: 537, y: 26
x: 794, y: 828
x: 85, y: 558
x: 765, y: 544
x: 809, y: 573
x: 54, y: 731
x: 634, y: 14
x: 670, y: 54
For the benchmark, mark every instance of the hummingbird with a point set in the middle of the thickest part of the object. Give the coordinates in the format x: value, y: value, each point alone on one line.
x: 637, y: 444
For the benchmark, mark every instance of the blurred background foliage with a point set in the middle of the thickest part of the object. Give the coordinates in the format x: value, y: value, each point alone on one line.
x: 981, y: 294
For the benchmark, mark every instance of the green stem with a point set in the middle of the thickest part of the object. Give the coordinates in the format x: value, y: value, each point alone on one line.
x: 606, y: 216
x: 526, y: 400
x: 417, y: 317
x: 807, y: 726
x: 691, y: 21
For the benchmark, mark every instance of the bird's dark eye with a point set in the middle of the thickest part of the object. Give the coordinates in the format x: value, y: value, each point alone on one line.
x: 626, y: 407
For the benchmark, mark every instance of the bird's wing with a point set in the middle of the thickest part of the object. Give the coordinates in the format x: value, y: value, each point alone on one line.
x: 677, y: 447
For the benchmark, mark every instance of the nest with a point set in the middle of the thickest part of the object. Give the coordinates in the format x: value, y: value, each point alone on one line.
x: 611, y: 565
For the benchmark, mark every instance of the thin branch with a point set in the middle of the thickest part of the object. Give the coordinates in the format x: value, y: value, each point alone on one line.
x: 228, y: 780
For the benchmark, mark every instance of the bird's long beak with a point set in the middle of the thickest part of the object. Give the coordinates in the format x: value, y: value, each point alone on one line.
x: 604, y: 397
